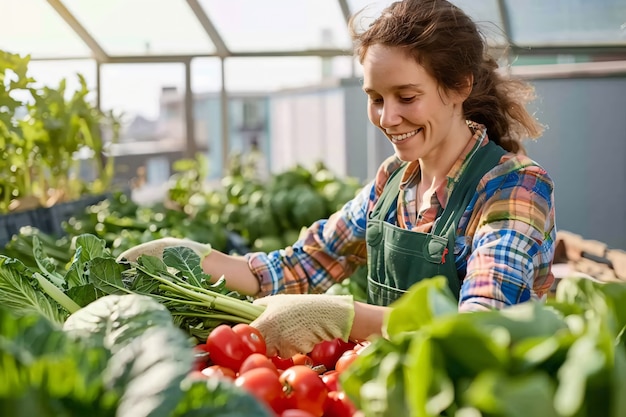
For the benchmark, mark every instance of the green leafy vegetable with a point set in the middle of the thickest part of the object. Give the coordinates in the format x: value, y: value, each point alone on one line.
x: 22, y: 293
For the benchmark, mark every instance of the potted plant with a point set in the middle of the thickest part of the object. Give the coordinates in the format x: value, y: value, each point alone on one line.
x: 43, y: 130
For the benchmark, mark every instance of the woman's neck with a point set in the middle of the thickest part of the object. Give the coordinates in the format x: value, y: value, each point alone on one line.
x: 434, y: 170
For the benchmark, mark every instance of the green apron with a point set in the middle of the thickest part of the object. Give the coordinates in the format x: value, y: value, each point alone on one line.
x: 398, y: 258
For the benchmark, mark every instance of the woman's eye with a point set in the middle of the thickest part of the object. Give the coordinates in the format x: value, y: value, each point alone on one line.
x: 407, y: 99
x: 376, y: 100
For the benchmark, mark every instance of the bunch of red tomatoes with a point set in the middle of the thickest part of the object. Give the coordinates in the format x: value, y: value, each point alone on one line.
x: 305, y: 385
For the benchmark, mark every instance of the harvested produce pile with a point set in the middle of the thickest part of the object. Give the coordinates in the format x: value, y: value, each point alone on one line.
x: 566, y: 358
x: 177, y: 282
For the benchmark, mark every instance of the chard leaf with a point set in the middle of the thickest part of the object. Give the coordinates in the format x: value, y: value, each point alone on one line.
x: 584, y: 360
x: 495, y: 393
x: 423, y: 302
x: 143, y: 283
x: 84, y: 294
x: 87, y: 247
x: 187, y: 262
x: 44, y: 263
x: 216, y: 397
x: 150, y: 368
x: 117, y: 319
x: 44, y: 373
x: 22, y: 294
x: 106, y: 275
x: 150, y: 355
x: 152, y: 264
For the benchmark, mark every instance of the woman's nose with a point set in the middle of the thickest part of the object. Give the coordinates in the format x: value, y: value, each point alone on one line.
x: 389, y: 116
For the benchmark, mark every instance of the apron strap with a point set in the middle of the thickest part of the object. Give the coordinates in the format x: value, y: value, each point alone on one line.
x: 482, y: 162
x: 389, y: 195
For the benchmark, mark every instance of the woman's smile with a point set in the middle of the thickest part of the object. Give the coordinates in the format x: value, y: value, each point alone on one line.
x: 400, y: 138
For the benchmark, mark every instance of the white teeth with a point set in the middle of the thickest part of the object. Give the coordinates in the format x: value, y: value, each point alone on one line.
x: 399, y: 138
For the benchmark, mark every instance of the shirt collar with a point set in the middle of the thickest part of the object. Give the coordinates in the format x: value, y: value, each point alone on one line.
x: 479, y: 138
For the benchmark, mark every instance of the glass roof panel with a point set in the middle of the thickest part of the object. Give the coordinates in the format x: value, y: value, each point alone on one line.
x: 486, y: 13
x: 142, y: 27
x: 279, y: 25
x: 272, y: 74
x: 33, y: 27
x: 567, y: 22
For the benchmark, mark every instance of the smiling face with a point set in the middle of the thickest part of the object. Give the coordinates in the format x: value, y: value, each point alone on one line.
x: 405, y: 102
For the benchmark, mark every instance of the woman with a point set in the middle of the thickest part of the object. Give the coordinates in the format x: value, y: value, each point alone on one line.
x: 458, y: 198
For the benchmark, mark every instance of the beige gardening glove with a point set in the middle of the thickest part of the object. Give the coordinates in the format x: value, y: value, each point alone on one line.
x: 155, y: 248
x: 294, y: 323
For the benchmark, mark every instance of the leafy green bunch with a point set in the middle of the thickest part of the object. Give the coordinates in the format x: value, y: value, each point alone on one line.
x: 566, y: 358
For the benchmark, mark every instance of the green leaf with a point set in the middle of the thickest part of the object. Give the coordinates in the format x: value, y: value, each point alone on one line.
x: 84, y: 294
x: 467, y: 347
x: 187, y: 262
x: 584, y: 360
x: 496, y: 394
x: 148, y: 370
x: 375, y: 382
x: 152, y: 264
x: 215, y: 397
x: 21, y: 293
x: 425, y: 300
x: 87, y: 247
x: 618, y: 382
x: 117, y: 319
x: 46, y: 266
x: 45, y: 373
x: 106, y: 275
x: 431, y: 389
x: 151, y: 356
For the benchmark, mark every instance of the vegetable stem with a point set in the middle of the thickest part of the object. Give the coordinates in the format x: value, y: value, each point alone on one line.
x: 213, y: 300
x: 56, y: 294
x: 213, y: 316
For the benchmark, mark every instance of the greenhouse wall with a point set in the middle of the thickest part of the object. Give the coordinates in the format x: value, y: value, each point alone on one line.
x: 584, y: 150
x: 583, y: 147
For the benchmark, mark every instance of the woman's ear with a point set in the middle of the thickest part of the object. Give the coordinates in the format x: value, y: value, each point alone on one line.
x: 466, y: 88
x: 463, y: 90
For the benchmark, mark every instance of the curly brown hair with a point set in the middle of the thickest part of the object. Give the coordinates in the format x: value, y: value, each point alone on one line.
x: 447, y: 42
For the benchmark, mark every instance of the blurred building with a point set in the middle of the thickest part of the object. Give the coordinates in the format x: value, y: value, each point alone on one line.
x: 151, y: 146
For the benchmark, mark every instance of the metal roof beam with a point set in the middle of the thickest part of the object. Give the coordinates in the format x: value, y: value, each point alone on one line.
x: 605, y: 51
x: 98, y: 52
x: 209, y: 27
x: 345, y: 10
x: 324, y: 53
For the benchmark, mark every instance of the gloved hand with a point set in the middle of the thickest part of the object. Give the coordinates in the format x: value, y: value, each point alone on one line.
x: 294, y: 323
x: 155, y: 248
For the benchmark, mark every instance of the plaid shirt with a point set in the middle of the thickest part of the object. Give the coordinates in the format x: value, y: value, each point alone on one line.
x: 504, y: 243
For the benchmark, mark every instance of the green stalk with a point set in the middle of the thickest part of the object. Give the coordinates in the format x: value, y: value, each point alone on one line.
x: 56, y: 294
x: 183, y: 301
x: 225, y: 317
x: 214, y: 301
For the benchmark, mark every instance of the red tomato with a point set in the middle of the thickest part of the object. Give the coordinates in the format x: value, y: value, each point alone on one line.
x: 327, y: 352
x: 226, y: 348
x: 216, y: 371
x: 305, y: 389
x: 331, y: 379
x: 282, y: 363
x: 345, y: 360
x: 251, y: 337
x: 200, y: 357
x: 257, y: 360
x: 338, y: 405
x: 264, y: 384
x: 295, y: 412
x: 302, y: 359
x: 358, y: 348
